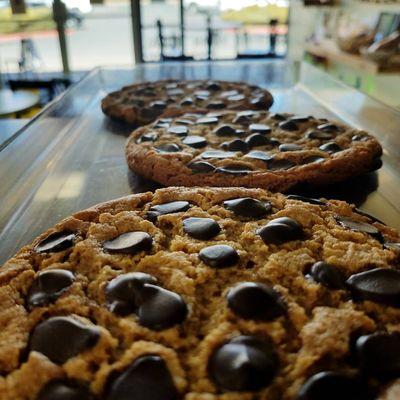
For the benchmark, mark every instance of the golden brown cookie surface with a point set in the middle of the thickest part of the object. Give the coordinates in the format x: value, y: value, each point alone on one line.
x: 223, y: 293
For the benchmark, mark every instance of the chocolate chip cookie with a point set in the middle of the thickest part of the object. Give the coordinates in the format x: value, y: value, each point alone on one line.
x: 204, y: 294
x: 143, y: 103
x: 250, y: 149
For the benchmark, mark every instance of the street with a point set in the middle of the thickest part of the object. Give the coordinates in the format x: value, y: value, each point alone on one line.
x: 105, y: 39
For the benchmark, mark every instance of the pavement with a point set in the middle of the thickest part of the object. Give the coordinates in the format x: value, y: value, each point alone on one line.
x: 105, y: 39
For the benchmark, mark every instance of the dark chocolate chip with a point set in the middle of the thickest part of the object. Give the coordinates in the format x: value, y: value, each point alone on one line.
x: 242, y: 119
x: 359, y: 138
x: 207, y: 120
x: 381, y: 285
x: 235, y: 145
x: 281, y: 230
x: 289, y: 147
x: 312, y: 159
x: 168, y: 148
x: 160, y: 308
x: 330, y: 385
x: 168, y: 208
x: 161, y: 125
x: 228, y: 93
x: 194, y: 141
x: 213, y: 86
x: 250, y: 300
x: 328, y: 127
x: 201, y: 167
x: 64, y: 390
x: 306, y: 199
x: 202, y: 93
x: 276, y: 164
x: 178, y: 130
x: 123, y: 292
x: 216, y: 105
x: 217, y: 154
x: 327, y: 275
x: 129, y: 243
x: 288, y: 126
x: 219, y: 256
x: 248, y: 207
x: 60, y: 338
x: 330, y: 147
x: 158, y: 105
x: 278, y: 117
x: 259, y: 128
x: 299, y: 118
x: 147, y: 137
x: 319, y: 135
x: 201, y: 228
x: 378, y: 355
x: 236, y: 97
x: 256, y: 139
x: 55, y: 242
x: 234, y: 169
x: 244, y: 363
x: 225, y: 130
x: 184, y: 122
x: 259, y: 155
x: 260, y: 103
x: 175, y: 92
x: 357, y: 226
x: 48, y: 286
x: 187, y: 102
x: 147, y: 378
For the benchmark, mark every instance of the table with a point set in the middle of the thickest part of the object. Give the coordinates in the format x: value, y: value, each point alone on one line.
x: 8, y: 127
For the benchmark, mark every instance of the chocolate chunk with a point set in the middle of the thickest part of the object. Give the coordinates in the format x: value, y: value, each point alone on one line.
x: 202, y: 93
x: 299, y: 118
x: 225, y: 130
x: 327, y: 275
x: 184, y: 122
x: 289, y: 147
x: 242, y: 120
x: 188, y: 101
x: 217, y: 154
x: 207, y: 120
x: 235, y: 145
x: 329, y: 385
x: 244, y: 363
x: 257, y: 139
x: 260, y: 103
x: 228, y: 93
x: 175, y: 92
x: 123, y: 292
x: 248, y: 207
x: 178, y: 130
x: 168, y: 148
x: 55, y: 242
x: 147, y: 137
x: 276, y: 164
x: 161, y: 125
x: 234, y: 169
x: 319, y: 135
x: 216, y: 105
x: 201, y: 167
x: 236, y: 97
x: 250, y: 300
x: 213, y: 86
x: 158, y: 105
x: 194, y: 141
x: 259, y: 155
x: 60, y: 338
x: 378, y: 355
x: 312, y: 159
x: 219, y: 256
x: 359, y: 138
x: 330, y: 147
x: 328, y: 127
x: 64, y: 390
x: 168, y: 208
x: 48, y: 286
x: 129, y: 243
x: 357, y: 226
x: 147, y: 378
x: 281, y: 230
x: 201, y: 228
x: 381, y: 285
x: 259, y: 128
x: 278, y: 117
x: 160, y: 308
x: 306, y: 199
x: 288, y: 126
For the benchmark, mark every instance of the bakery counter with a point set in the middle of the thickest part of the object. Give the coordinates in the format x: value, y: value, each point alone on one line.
x: 71, y: 156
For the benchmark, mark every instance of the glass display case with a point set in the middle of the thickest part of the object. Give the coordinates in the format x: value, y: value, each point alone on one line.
x: 71, y: 156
